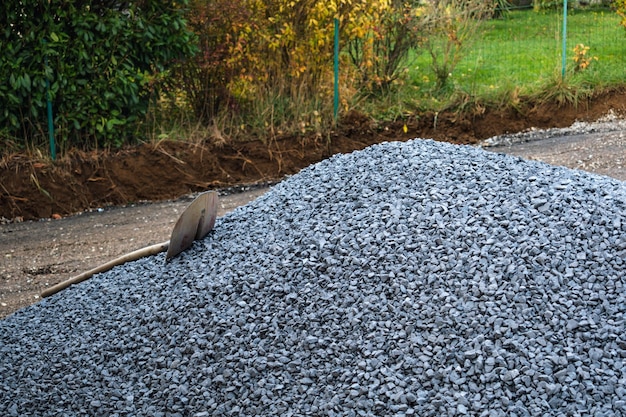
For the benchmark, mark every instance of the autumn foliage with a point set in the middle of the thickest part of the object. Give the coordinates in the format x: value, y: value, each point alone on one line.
x: 276, y: 56
x: 620, y: 8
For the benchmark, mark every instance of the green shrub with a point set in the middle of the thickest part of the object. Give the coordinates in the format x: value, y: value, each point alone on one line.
x: 380, y: 56
x: 100, y: 59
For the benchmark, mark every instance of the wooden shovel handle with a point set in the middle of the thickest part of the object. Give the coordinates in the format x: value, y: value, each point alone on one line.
x: 132, y: 256
x: 194, y: 223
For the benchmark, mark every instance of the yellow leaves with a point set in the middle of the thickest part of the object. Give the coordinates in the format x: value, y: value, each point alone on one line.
x: 286, y: 6
x: 287, y: 31
x: 294, y: 39
x: 362, y: 17
x: 358, y: 32
x: 581, y: 60
x: 580, y: 50
x: 620, y: 9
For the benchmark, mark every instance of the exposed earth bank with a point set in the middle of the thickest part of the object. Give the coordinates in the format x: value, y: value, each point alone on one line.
x: 166, y: 170
x: 107, y: 189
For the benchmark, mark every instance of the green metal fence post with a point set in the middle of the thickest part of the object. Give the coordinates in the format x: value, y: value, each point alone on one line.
x: 53, y: 148
x: 564, y: 53
x: 336, y: 65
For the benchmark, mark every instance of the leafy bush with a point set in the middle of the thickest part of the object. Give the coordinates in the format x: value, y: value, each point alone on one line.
x: 204, y: 79
x: 620, y: 8
x: 101, y: 60
x: 380, y: 44
x: 269, y: 63
x: 451, y: 27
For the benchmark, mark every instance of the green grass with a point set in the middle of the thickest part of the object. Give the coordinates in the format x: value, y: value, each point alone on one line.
x: 523, y: 52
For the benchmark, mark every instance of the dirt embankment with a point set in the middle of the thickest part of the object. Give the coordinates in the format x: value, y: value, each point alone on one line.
x: 166, y: 170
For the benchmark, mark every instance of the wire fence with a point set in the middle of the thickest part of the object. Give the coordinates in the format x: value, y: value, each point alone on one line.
x: 525, y: 48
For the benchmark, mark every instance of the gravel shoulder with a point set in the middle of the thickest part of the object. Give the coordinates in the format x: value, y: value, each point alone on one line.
x: 600, y: 153
x: 598, y: 147
x: 37, y: 255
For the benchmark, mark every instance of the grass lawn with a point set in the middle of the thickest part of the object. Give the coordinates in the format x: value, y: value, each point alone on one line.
x: 523, y: 51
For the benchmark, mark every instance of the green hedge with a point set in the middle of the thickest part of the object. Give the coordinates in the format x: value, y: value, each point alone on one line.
x: 101, y: 60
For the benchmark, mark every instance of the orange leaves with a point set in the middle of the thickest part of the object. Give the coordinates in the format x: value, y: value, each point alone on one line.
x: 581, y: 60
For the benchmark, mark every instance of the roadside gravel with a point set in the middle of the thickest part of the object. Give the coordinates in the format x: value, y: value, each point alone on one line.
x: 608, y: 124
x: 598, y: 147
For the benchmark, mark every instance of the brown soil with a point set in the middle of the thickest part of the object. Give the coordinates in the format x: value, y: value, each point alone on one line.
x: 36, y: 255
x: 165, y: 170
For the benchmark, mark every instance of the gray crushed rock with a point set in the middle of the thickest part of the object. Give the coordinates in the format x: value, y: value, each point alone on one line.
x: 407, y: 279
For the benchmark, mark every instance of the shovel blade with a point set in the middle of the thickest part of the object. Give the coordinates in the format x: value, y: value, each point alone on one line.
x: 194, y: 223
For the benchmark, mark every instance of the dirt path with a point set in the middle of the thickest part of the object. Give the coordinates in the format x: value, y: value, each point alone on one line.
x: 600, y: 153
x: 36, y: 255
x: 39, y: 254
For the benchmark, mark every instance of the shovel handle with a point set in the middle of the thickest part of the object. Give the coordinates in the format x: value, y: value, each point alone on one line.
x: 194, y: 223
x: 132, y: 256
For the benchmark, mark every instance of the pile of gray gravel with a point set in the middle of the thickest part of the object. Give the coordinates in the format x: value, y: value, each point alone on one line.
x: 415, y: 278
